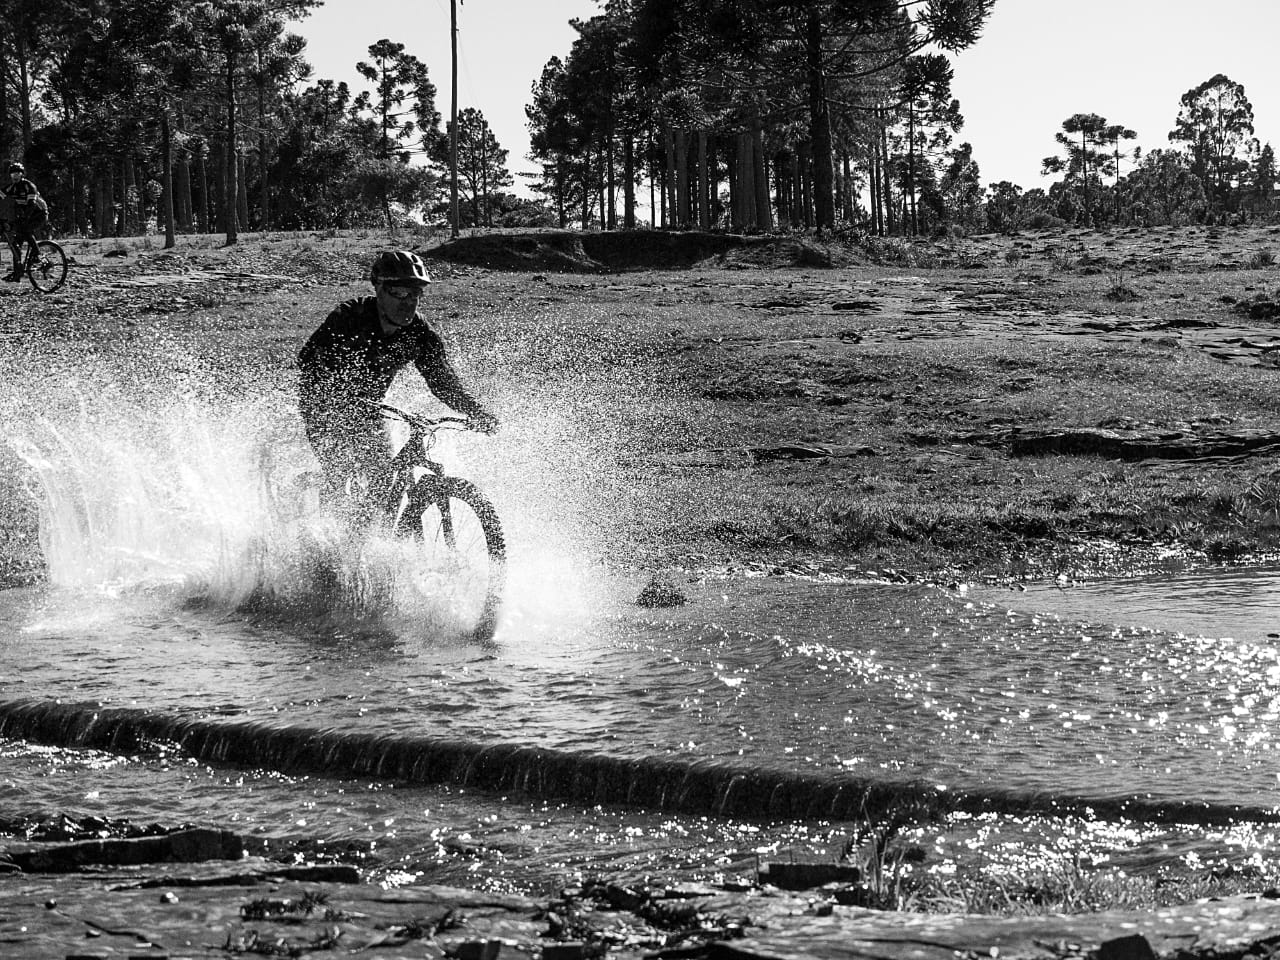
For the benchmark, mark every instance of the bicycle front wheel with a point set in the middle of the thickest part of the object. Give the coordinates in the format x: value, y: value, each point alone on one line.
x: 463, y: 550
x: 46, y: 266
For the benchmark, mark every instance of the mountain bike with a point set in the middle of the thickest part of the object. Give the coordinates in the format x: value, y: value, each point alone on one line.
x: 456, y: 527
x: 44, y: 263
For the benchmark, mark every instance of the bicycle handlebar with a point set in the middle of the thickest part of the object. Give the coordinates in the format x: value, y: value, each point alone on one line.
x: 417, y: 421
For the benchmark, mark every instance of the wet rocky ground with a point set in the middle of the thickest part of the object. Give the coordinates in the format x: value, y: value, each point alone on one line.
x: 189, y: 894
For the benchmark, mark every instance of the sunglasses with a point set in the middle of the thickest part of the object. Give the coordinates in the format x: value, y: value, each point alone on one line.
x: 401, y: 291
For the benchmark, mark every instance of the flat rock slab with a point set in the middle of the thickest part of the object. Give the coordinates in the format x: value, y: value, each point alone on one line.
x: 1131, y: 445
x: 246, y: 908
x: 119, y: 914
x: 1212, y: 927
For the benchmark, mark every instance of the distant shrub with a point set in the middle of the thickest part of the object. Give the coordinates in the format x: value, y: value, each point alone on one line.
x: 1062, y: 261
x: 1014, y: 255
x: 1262, y: 258
x: 891, y: 250
x: 1045, y: 221
x: 1120, y: 292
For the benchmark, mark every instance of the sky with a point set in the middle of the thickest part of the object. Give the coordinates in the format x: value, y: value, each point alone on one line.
x: 1037, y: 63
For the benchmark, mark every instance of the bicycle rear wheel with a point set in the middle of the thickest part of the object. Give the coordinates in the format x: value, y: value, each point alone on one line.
x: 46, y: 266
x: 463, y: 550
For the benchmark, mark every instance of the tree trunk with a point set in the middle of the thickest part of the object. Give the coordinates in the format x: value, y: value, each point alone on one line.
x: 484, y: 174
x: 6, y: 137
x: 682, y: 179
x: 886, y: 169
x: 747, y: 180
x: 704, y: 185
x: 760, y: 178
x: 873, y: 183
x: 264, y: 192
x: 602, y: 188
x: 911, y: 167
x: 628, y: 181
x: 182, y: 190
x: 586, y: 190
x: 819, y: 125
x: 846, y: 167
x: 669, y: 178
x: 242, y: 191
x: 218, y: 185
x: 24, y: 91
x: 806, y: 187
x: 561, y: 185
x: 611, y: 182
x: 122, y: 211
x: 734, y: 163
x: 780, y: 189
x: 100, y: 205
x: 202, y: 177
x: 166, y: 180
x: 230, y: 167
x: 653, y: 192
x: 799, y: 214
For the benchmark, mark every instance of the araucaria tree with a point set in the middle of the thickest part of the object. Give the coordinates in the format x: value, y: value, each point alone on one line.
x: 1092, y: 150
x: 403, y: 103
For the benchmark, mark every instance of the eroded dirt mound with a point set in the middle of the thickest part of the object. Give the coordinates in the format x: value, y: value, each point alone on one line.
x: 571, y: 252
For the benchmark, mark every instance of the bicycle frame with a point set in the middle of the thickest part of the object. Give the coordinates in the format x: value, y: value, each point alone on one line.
x: 422, y: 436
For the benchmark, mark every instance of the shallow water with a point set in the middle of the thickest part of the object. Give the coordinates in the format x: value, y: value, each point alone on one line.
x: 900, y: 683
x: 887, y: 682
x: 1240, y: 603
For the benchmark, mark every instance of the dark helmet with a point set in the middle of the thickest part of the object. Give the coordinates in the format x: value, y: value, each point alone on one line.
x: 16, y: 167
x: 399, y: 266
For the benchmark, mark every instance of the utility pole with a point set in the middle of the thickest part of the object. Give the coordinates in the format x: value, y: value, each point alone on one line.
x: 453, y: 120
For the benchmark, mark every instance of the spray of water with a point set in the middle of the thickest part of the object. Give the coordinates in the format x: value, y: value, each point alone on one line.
x: 151, y: 485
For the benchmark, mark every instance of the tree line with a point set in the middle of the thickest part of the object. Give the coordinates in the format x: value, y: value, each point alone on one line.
x: 749, y: 115
x: 1215, y: 170
x: 758, y: 114
x: 200, y: 115
x: 818, y: 114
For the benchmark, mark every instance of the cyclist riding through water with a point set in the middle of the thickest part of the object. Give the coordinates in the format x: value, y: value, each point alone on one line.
x: 27, y: 213
x: 349, y: 363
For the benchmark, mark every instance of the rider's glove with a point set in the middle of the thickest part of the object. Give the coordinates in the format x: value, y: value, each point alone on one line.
x: 483, y: 422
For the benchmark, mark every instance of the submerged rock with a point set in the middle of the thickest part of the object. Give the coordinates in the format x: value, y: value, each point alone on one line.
x: 661, y: 593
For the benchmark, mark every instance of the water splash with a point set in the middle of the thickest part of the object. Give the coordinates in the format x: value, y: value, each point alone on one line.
x: 213, y: 498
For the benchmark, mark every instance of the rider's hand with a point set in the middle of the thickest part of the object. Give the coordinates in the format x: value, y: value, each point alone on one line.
x: 483, y: 423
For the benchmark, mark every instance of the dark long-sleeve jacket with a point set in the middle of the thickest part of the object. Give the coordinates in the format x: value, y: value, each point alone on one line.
x: 349, y: 359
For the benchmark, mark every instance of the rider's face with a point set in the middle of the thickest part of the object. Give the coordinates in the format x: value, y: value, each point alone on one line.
x: 397, y: 304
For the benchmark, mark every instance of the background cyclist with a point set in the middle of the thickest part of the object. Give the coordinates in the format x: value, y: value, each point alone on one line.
x: 27, y: 213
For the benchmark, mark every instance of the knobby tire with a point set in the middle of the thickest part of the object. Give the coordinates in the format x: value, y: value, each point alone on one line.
x: 46, y: 266
x: 433, y: 511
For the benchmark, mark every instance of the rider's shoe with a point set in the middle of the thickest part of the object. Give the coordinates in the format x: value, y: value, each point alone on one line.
x: 12, y: 277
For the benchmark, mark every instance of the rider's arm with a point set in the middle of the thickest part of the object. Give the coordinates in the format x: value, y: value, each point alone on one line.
x: 444, y: 382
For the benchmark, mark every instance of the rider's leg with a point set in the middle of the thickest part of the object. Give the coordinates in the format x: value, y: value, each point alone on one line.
x: 15, y: 247
x: 352, y: 455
